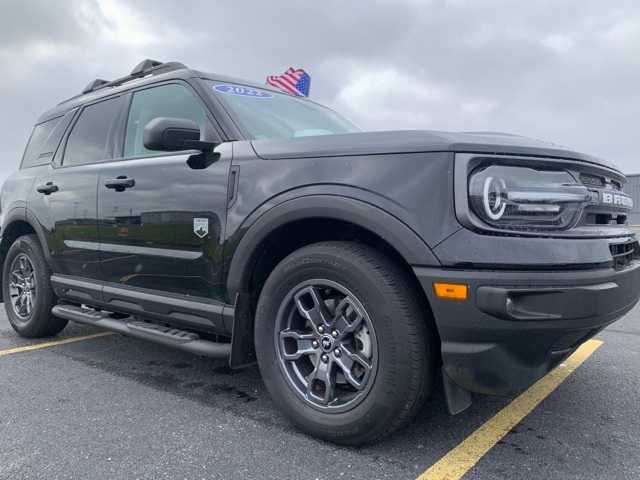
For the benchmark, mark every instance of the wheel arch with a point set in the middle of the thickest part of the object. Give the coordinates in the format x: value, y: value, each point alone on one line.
x: 315, y: 208
x: 17, y: 223
x: 310, y: 219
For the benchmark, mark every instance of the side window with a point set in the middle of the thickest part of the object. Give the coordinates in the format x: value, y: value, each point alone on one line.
x: 41, y: 132
x: 92, y: 136
x: 164, y: 101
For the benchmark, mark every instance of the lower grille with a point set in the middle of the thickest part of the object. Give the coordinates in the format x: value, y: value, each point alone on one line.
x: 624, y: 253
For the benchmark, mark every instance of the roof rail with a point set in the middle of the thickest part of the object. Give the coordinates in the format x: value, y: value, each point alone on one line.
x: 144, y: 68
x: 97, y: 83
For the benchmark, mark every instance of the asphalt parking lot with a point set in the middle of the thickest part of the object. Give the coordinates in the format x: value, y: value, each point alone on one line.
x: 115, y: 407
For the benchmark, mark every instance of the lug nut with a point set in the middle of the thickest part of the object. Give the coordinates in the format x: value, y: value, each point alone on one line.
x: 315, y: 344
x: 321, y: 329
x: 337, y: 352
x: 324, y: 357
x: 334, y: 333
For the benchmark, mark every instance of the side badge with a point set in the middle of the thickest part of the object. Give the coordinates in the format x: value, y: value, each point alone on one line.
x: 201, y: 227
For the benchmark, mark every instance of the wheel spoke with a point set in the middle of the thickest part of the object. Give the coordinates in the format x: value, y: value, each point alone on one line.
x: 345, y: 364
x: 311, y: 306
x: 347, y: 317
x: 28, y: 304
x: 321, y: 382
x: 19, y: 303
x: 347, y: 361
x: 301, y: 343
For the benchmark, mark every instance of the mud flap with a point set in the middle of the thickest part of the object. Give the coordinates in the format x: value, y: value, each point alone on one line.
x: 243, y: 353
x: 458, y: 399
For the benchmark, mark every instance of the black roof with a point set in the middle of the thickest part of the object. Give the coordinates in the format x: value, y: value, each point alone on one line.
x: 146, y: 72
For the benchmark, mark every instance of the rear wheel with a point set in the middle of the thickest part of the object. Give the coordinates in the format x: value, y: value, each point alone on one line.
x: 28, y: 296
x: 342, y: 342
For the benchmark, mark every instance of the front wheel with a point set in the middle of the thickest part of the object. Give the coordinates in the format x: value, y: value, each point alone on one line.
x: 342, y: 342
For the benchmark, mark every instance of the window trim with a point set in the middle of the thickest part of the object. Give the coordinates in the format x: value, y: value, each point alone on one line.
x: 60, y: 162
x: 125, y: 122
x: 211, y: 112
x: 33, y: 130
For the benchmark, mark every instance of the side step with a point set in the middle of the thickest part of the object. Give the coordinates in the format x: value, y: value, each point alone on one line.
x: 171, y: 337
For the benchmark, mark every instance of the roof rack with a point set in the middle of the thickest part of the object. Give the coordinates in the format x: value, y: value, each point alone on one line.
x: 97, y: 83
x: 143, y: 69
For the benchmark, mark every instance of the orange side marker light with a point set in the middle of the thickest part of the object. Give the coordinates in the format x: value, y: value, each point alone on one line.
x: 451, y: 291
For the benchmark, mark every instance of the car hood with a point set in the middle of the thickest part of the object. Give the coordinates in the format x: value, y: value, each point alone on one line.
x: 411, y: 141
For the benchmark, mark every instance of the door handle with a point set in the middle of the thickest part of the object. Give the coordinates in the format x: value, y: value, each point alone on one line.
x: 120, y: 183
x: 47, y: 188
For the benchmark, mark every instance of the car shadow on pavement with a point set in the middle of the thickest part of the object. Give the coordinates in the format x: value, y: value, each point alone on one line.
x: 242, y: 393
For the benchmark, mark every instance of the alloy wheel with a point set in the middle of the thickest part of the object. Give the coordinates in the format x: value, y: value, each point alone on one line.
x: 326, y: 345
x: 22, y: 286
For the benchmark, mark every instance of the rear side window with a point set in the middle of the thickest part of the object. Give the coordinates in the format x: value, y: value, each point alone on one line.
x: 37, y: 142
x: 164, y: 101
x: 92, y: 137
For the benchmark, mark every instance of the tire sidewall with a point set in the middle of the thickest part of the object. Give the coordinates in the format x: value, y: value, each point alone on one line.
x: 363, y: 281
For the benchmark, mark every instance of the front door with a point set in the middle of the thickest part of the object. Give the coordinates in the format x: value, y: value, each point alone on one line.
x: 161, y: 222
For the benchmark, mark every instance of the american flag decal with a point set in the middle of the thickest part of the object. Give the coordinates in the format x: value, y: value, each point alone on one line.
x: 294, y: 81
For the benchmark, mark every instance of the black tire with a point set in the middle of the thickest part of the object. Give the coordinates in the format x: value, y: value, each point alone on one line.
x: 38, y: 322
x: 405, y: 365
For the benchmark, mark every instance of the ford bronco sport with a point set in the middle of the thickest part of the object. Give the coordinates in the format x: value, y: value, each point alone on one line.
x: 234, y: 221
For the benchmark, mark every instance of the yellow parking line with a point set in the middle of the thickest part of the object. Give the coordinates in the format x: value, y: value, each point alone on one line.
x: 38, y: 346
x: 463, y: 457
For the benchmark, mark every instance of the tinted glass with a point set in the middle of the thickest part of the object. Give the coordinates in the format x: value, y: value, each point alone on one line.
x: 92, y: 136
x: 267, y: 114
x: 165, y: 101
x: 37, y: 142
x: 53, y: 141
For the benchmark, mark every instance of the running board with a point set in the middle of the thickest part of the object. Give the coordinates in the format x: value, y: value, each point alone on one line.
x: 171, y: 337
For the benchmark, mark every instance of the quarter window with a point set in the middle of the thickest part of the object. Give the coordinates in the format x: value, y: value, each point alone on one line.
x: 91, y: 139
x: 165, y: 101
x: 37, y: 142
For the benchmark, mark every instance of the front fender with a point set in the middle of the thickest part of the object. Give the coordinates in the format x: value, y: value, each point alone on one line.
x: 365, y: 215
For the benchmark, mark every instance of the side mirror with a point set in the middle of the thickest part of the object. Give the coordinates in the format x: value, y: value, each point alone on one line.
x: 174, y: 134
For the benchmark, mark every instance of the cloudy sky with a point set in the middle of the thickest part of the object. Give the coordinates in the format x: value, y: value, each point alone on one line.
x: 565, y: 71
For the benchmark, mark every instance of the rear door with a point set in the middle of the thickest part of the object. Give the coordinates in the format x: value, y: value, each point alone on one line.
x: 162, y: 229
x: 65, y: 197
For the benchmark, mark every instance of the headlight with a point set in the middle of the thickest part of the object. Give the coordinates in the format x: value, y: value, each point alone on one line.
x: 520, y: 198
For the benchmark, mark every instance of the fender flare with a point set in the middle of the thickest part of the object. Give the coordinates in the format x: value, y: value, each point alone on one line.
x: 22, y: 214
x: 32, y: 220
x: 17, y: 214
x: 363, y: 214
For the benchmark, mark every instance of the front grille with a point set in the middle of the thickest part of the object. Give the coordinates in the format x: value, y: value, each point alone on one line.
x: 624, y: 253
x: 599, y: 181
x: 609, y: 205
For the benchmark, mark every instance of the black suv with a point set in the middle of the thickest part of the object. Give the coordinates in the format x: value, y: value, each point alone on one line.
x: 234, y: 221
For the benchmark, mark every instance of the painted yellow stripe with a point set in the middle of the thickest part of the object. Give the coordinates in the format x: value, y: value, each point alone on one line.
x: 39, y: 346
x: 463, y: 457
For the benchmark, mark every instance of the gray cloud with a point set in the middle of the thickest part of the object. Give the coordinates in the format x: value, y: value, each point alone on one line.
x: 563, y: 71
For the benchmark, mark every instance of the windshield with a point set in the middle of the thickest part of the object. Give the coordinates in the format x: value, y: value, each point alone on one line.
x: 267, y: 114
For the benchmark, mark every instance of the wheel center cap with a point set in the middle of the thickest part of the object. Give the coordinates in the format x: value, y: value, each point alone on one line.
x: 326, y: 342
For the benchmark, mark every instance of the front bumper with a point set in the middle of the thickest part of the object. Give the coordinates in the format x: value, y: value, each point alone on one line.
x: 515, y: 326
